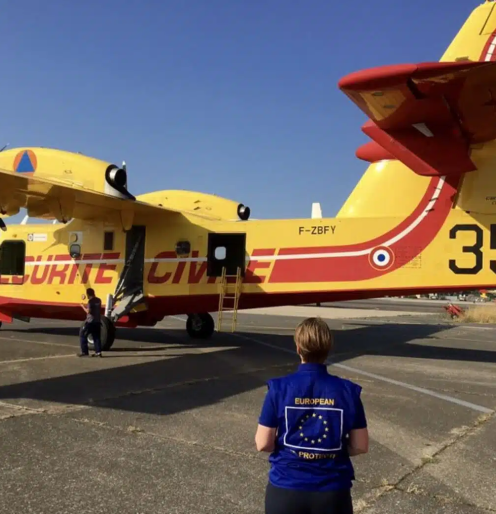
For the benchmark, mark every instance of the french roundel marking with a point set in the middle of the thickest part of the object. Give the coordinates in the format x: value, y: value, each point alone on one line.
x: 381, y: 258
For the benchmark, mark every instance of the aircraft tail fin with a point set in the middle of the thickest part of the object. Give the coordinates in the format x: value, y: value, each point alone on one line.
x: 425, y: 120
x: 476, y: 38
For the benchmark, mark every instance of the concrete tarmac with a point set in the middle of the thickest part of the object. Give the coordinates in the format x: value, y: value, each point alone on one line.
x: 395, y: 304
x: 165, y: 424
x: 406, y: 305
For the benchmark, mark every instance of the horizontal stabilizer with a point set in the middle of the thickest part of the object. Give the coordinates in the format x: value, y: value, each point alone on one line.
x: 426, y: 115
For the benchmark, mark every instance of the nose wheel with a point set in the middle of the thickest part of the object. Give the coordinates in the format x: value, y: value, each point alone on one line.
x: 200, y: 326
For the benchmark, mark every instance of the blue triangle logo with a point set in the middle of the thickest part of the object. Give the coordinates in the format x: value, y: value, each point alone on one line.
x: 25, y: 165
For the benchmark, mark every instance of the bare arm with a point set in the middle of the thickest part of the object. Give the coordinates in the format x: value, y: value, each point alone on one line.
x: 265, y: 439
x: 358, y: 442
x: 85, y: 308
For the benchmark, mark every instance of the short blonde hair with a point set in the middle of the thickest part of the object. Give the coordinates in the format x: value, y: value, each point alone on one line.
x: 314, y: 340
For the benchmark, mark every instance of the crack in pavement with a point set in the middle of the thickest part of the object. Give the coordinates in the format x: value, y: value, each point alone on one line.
x: 460, y: 435
x: 362, y: 504
x: 445, y: 500
x: 133, y: 430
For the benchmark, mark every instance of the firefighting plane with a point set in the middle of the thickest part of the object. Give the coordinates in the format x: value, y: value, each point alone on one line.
x: 421, y: 219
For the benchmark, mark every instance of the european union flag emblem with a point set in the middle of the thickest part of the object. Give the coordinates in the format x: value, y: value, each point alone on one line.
x: 314, y: 428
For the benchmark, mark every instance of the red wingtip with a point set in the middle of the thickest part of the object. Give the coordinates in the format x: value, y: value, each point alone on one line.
x: 374, y: 78
x: 392, y: 75
x: 372, y: 152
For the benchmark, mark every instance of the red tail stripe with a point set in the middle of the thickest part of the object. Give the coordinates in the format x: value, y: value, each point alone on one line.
x: 373, y: 242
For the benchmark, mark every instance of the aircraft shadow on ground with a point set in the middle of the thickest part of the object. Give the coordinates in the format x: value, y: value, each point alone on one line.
x: 185, y: 382
x: 138, y: 335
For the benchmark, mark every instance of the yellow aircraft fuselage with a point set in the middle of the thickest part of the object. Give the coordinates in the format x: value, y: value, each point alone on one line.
x: 398, y: 233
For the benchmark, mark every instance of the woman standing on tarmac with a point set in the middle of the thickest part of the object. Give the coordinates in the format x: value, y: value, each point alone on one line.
x: 312, y: 423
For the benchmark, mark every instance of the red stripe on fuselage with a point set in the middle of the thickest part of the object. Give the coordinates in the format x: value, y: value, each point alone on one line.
x: 371, y: 242
x: 353, y: 268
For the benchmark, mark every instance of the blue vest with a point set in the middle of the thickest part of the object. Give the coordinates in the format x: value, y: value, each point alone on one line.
x: 314, y: 413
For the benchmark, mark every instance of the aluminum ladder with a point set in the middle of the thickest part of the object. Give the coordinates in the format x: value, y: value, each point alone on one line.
x: 229, y: 298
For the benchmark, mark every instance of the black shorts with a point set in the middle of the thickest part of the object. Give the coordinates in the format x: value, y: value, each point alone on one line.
x: 290, y: 501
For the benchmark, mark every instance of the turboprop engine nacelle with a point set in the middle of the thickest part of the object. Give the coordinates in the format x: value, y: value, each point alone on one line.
x: 116, y: 182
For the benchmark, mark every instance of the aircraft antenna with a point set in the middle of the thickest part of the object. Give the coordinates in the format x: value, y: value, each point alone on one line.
x: 4, y: 147
x: 316, y: 210
x: 124, y: 165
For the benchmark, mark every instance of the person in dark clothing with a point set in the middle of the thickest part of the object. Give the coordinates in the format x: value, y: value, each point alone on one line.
x: 311, y: 423
x: 92, y: 325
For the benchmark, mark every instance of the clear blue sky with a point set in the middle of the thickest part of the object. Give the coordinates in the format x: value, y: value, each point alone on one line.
x: 237, y: 98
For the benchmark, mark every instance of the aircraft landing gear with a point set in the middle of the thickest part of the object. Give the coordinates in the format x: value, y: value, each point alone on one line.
x: 200, y: 326
x: 107, y: 335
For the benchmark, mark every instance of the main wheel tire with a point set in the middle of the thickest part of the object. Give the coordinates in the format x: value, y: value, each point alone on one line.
x: 200, y: 326
x: 107, y: 335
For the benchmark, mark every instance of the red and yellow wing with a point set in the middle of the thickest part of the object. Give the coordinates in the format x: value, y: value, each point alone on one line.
x: 426, y: 115
x: 63, y: 200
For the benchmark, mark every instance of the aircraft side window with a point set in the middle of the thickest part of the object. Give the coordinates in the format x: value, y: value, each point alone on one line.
x: 220, y: 253
x: 75, y: 251
x: 108, y: 241
x: 183, y: 248
x: 12, y: 258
